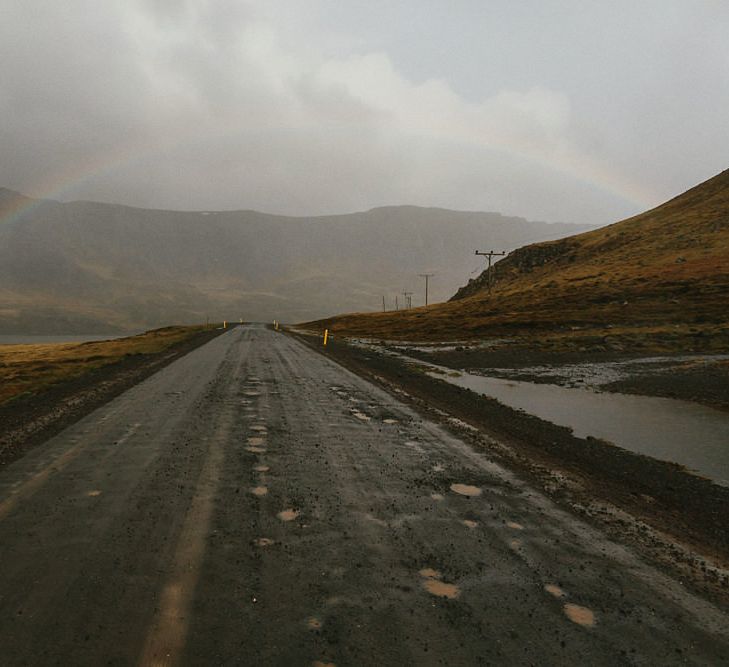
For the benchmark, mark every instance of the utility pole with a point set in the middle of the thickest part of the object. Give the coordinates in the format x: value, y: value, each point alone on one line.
x: 408, y: 298
x: 489, y: 256
x: 396, y: 306
x: 426, y: 276
x: 383, y: 303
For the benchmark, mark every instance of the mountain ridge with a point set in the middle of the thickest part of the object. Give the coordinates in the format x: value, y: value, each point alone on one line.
x: 84, y: 266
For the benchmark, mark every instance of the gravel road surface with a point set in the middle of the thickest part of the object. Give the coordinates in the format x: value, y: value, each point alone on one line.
x: 254, y: 503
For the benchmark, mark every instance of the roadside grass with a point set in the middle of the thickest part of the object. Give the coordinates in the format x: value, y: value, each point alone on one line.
x: 26, y: 370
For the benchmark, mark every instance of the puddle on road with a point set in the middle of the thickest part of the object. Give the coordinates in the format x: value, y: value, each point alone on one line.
x: 580, y: 615
x: 554, y: 590
x: 256, y: 450
x: 261, y: 468
x: 259, y: 428
x: 389, y: 421
x: 94, y: 493
x: 466, y: 490
x: 251, y: 393
x: 514, y: 525
x: 288, y: 515
x: 313, y: 623
x: 361, y: 415
x: 256, y: 440
x: 469, y: 524
x: 437, y: 496
x: 436, y: 587
x: 264, y: 542
x: 259, y: 491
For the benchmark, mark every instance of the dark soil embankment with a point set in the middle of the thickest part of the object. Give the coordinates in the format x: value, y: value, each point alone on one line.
x: 32, y: 419
x: 688, y: 508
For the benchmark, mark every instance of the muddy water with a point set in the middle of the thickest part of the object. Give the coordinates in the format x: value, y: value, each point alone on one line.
x: 690, y: 434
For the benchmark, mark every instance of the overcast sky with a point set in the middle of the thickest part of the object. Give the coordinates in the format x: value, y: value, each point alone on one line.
x: 570, y: 110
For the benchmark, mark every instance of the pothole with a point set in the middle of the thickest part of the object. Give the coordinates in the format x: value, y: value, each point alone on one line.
x: 435, y: 586
x: 579, y: 614
x: 554, y: 590
x: 429, y: 573
x: 466, y: 490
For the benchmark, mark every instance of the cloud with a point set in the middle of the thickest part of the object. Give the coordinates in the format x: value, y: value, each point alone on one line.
x: 230, y: 104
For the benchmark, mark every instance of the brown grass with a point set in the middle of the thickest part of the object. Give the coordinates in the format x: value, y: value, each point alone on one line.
x: 29, y: 369
x: 665, y: 271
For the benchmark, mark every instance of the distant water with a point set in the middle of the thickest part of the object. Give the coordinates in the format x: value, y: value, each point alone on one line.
x: 19, y: 339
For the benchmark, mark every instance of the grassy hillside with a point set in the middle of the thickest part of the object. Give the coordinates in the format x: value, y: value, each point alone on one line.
x: 662, y: 273
x: 89, y: 267
x: 26, y: 370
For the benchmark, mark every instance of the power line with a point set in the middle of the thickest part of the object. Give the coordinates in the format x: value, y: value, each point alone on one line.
x: 426, y: 276
x: 489, y: 256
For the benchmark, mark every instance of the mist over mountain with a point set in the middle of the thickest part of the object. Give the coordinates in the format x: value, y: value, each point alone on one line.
x: 93, y: 267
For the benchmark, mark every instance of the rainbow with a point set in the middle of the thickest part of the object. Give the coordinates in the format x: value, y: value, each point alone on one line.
x: 582, y: 169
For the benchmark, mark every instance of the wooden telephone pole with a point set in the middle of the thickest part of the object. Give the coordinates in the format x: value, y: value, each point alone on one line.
x: 408, y: 298
x: 426, y: 276
x: 489, y: 256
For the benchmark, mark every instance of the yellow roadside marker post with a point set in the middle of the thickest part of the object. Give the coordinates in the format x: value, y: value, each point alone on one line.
x: 326, y: 335
x: 225, y: 324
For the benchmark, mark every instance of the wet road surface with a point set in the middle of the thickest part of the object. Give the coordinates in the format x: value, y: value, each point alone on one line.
x: 255, y: 504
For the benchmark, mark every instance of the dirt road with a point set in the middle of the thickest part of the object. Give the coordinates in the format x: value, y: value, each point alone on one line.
x: 255, y: 504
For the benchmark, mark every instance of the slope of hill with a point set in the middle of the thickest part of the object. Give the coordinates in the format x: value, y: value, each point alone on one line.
x: 664, y: 269
x: 91, y: 267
